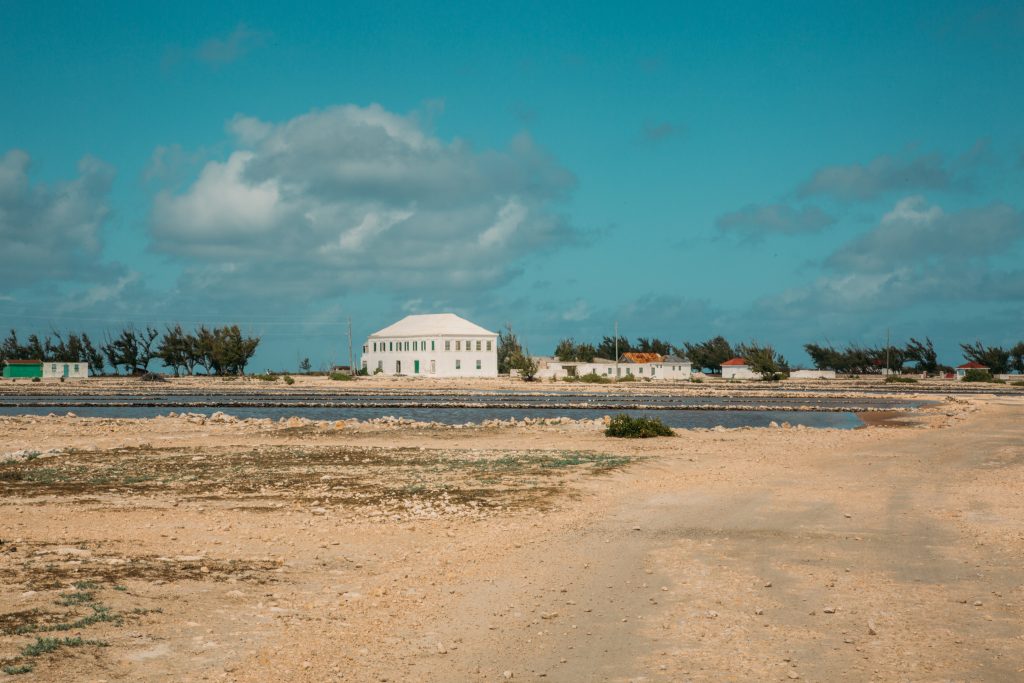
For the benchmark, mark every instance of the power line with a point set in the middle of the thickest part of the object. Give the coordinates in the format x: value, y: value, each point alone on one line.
x: 151, y: 321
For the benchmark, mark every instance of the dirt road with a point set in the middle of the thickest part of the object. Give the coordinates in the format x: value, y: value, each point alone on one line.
x: 749, y: 555
x: 895, y: 561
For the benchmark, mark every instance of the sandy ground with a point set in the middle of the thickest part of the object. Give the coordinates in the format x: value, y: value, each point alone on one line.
x: 176, y: 549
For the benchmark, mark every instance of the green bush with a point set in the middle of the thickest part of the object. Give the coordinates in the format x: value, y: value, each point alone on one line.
x: 626, y: 378
x: 1017, y: 384
x: 289, y: 380
x: 341, y: 377
x: 697, y: 380
x: 975, y: 375
x: 626, y: 427
x: 896, y: 379
x: 36, y: 379
x: 589, y: 378
x: 269, y: 377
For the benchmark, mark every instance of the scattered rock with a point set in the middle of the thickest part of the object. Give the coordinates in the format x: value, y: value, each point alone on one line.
x: 872, y: 631
x: 829, y: 610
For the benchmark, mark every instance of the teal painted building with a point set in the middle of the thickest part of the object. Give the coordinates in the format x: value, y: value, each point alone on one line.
x: 17, y: 369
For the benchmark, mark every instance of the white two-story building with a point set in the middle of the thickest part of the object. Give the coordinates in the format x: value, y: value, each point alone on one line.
x: 436, y: 345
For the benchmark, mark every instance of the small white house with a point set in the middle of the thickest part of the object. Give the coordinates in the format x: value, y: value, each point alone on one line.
x: 435, y: 345
x: 961, y: 370
x: 62, y: 369
x: 738, y: 368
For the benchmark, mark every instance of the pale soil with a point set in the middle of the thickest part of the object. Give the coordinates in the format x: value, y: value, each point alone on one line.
x: 314, y: 553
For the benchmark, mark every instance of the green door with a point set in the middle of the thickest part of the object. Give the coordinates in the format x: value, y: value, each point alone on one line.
x: 416, y: 367
x: 65, y: 370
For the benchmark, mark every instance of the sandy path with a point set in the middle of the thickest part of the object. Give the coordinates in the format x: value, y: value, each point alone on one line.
x: 669, y: 579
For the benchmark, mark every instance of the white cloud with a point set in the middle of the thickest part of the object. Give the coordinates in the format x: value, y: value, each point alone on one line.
x: 880, y: 175
x: 50, y: 232
x: 350, y: 196
x: 219, y: 205
x: 915, y: 232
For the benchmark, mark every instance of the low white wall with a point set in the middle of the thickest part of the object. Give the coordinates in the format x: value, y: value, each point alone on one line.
x: 813, y: 374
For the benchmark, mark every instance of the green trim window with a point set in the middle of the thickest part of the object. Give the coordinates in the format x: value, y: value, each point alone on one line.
x: 488, y: 345
x: 458, y: 363
x: 447, y: 345
x: 458, y: 345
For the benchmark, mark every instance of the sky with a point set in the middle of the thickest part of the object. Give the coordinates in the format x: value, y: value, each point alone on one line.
x: 779, y: 172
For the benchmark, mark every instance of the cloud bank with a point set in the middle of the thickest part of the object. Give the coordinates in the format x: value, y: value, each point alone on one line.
x: 50, y: 232
x: 361, y: 197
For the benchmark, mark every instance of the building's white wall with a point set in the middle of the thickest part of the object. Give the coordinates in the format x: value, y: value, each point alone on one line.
x: 444, y: 361
x: 738, y: 372
x: 57, y: 369
x: 669, y: 370
x: 813, y: 374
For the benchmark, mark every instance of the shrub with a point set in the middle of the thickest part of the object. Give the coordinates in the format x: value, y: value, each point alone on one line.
x: 1017, y: 384
x: 589, y: 378
x: 896, y: 379
x: 626, y: 378
x: 626, y: 427
x: 36, y: 379
x: 697, y: 380
x: 268, y: 377
x: 289, y: 380
x: 340, y: 377
x: 975, y: 375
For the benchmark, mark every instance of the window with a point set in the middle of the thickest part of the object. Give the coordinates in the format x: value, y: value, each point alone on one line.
x: 478, y: 362
x: 433, y: 366
x: 469, y: 345
x: 406, y: 346
x: 391, y: 346
x: 380, y: 365
x: 76, y: 367
x: 398, y: 367
x: 415, y: 346
x: 640, y: 370
x: 447, y: 345
x: 488, y: 345
x: 458, y: 346
x: 431, y: 344
x: 458, y: 363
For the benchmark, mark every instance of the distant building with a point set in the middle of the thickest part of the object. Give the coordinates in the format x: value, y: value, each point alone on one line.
x: 654, y: 366
x: 36, y: 368
x: 738, y: 368
x: 436, y: 345
x: 16, y: 369
x: 961, y: 370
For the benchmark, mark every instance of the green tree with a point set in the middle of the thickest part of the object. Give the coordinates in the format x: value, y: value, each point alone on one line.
x: 709, y: 354
x: 763, y: 359
x: 174, y: 349
x: 305, y: 365
x: 508, y: 349
x: 1017, y: 357
x: 606, y: 349
x: 995, y: 358
x: 923, y: 354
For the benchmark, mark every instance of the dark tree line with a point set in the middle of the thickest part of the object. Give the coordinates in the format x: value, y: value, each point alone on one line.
x: 921, y: 355
x: 218, y: 350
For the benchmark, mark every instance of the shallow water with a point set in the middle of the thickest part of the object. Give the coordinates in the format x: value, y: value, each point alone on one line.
x: 461, y: 415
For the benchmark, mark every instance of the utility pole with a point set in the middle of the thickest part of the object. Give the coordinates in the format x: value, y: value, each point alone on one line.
x: 888, y: 345
x: 351, y: 360
x: 616, y: 349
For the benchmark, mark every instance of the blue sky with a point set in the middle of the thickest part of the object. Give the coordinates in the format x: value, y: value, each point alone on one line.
x: 781, y: 172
